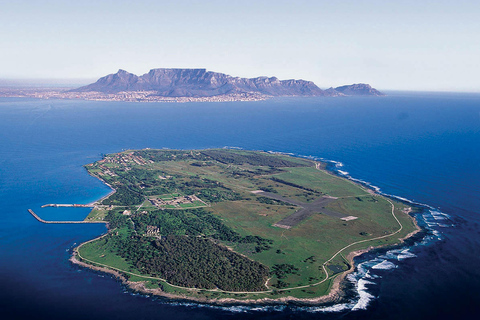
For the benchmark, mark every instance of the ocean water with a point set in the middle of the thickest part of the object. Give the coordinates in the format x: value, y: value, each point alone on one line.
x: 422, y: 147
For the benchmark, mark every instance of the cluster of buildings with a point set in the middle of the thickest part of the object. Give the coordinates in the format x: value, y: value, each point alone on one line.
x: 153, y: 231
x: 175, y: 201
x: 125, y: 159
x: 127, y: 96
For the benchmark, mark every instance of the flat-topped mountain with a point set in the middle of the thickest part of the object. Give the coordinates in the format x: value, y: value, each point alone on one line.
x: 199, y: 83
x: 202, y: 83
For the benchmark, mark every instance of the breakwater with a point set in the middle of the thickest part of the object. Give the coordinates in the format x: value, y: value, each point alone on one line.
x: 60, y: 222
x: 66, y: 205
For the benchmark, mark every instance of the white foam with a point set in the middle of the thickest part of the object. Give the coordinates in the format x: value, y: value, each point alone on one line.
x: 391, y: 254
x: 335, y: 308
x: 438, y: 215
x: 230, y: 147
x: 384, y: 265
x: 368, y: 275
x: 365, y: 297
x: 345, y: 173
x: 436, y: 218
x: 362, y: 270
x: 405, y: 254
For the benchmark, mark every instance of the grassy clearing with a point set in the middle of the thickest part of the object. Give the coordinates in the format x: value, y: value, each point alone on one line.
x: 100, y: 252
x: 97, y: 214
x: 308, y: 245
x: 322, y: 181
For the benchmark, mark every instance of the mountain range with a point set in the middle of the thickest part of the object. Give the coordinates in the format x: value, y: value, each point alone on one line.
x: 202, y: 83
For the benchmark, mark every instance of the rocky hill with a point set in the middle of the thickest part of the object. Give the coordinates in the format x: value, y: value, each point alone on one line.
x: 358, y: 89
x: 203, y: 83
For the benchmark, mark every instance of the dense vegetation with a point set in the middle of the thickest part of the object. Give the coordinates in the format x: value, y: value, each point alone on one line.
x: 186, y: 254
x: 271, y: 201
x: 170, y: 155
x: 222, y: 156
x: 251, y: 158
x: 124, y: 196
x: 291, y: 184
x: 192, y: 222
x: 192, y: 262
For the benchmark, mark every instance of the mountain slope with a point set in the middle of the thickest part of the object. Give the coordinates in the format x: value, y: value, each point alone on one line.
x: 199, y: 83
x: 202, y: 83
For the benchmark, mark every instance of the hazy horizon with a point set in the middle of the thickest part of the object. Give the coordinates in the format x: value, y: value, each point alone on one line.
x: 29, y: 83
x: 408, y: 45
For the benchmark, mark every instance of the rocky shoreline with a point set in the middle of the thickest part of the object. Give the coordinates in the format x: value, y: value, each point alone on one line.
x: 335, y: 295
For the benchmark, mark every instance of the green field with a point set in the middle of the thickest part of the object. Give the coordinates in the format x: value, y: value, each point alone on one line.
x: 228, y: 244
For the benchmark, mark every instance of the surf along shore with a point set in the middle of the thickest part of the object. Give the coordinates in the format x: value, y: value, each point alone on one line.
x: 335, y: 292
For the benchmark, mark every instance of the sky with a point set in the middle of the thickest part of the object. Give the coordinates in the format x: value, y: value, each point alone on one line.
x: 392, y: 45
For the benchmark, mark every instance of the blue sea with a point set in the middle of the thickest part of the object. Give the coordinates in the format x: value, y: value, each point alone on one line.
x: 421, y: 147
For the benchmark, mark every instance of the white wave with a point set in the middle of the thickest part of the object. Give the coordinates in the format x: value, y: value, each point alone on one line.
x: 363, y: 269
x: 233, y: 309
x: 237, y: 309
x: 384, y: 265
x: 335, y: 308
x: 436, y: 218
x: 365, y: 297
x: 406, y: 254
x: 438, y: 215
x: 337, y: 164
x: 402, y: 198
x: 345, y: 173
x: 230, y: 147
x: 369, y: 275
x: 391, y: 254
x: 410, y: 201
x: 437, y: 234
x: 284, y: 153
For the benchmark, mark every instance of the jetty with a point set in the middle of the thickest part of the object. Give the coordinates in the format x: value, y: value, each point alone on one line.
x: 61, y: 222
x: 67, y: 205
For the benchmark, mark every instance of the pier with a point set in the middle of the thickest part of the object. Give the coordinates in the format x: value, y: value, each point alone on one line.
x: 60, y: 222
x: 66, y: 205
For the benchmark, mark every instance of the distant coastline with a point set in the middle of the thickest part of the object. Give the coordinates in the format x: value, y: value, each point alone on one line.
x: 189, y: 85
x: 130, y: 96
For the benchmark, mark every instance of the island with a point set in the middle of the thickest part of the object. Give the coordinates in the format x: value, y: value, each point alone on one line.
x: 190, y: 85
x: 235, y: 226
